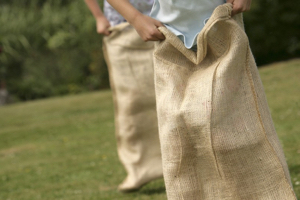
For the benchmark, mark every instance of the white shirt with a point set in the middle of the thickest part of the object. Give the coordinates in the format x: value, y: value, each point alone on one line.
x: 114, y: 18
x: 185, y: 18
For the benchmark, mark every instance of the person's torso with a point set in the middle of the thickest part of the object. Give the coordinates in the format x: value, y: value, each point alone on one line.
x: 185, y: 18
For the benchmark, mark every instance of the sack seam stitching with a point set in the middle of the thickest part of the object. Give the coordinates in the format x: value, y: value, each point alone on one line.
x: 250, y: 78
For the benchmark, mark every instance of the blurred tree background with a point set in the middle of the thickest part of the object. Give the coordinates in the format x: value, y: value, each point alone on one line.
x: 50, y: 47
x: 273, y: 28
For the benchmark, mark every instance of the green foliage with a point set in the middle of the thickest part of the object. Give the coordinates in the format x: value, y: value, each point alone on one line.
x: 273, y: 27
x: 51, y: 47
x: 48, y: 48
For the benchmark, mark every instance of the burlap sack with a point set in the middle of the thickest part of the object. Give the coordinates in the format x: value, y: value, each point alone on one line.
x: 217, y: 137
x: 130, y: 63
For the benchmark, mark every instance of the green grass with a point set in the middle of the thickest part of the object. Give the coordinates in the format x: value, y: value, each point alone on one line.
x: 64, y: 148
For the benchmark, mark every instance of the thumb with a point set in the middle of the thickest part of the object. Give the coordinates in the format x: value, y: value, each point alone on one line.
x: 231, y: 1
x: 158, y: 24
x: 106, y: 32
x: 159, y: 35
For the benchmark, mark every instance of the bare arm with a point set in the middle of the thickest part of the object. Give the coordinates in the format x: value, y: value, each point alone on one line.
x: 144, y: 25
x: 239, y: 6
x: 101, y: 21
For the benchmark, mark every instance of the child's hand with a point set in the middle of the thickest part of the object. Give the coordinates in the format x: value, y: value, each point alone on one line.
x: 103, y: 26
x: 239, y: 6
x: 147, y: 28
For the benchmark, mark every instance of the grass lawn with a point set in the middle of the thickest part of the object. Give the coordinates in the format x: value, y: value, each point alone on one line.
x: 64, y: 148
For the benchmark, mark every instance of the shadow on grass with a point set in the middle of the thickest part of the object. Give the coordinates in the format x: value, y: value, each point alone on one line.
x: 151, y: 191
x: 294, y: 169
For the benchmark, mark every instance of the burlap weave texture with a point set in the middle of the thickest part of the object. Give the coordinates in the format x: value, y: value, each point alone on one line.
x: 217, y: 136
x: 130, y: 63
